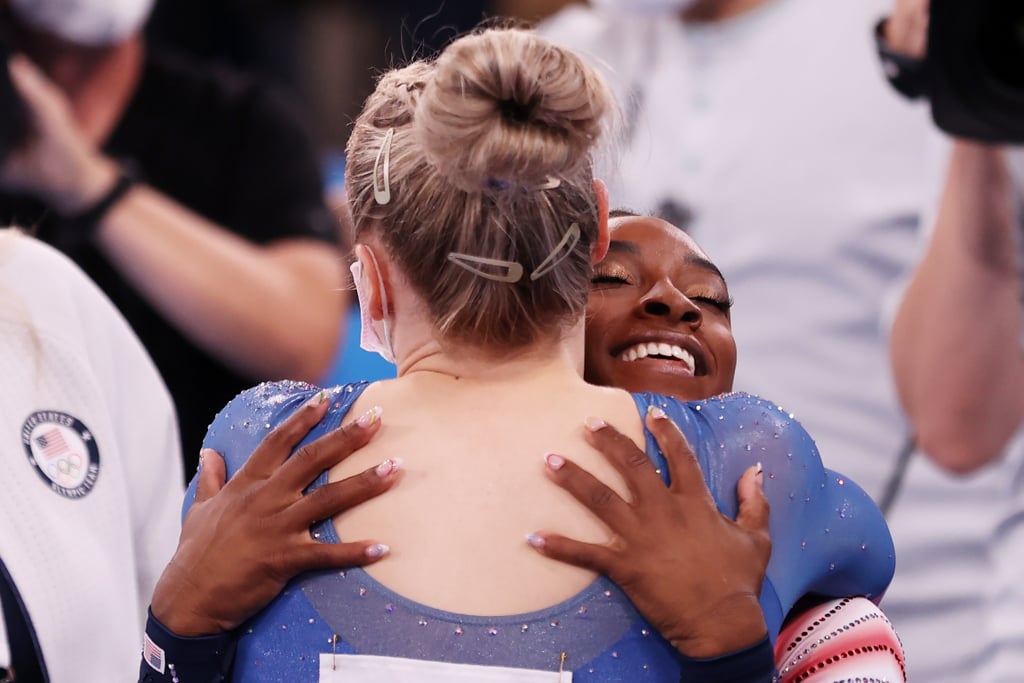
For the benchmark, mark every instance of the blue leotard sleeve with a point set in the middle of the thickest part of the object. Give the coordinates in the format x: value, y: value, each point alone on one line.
x: 243, y: 423
x: 828, y: 536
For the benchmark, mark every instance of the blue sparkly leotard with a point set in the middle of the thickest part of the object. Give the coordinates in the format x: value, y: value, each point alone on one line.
x: 828, y: 539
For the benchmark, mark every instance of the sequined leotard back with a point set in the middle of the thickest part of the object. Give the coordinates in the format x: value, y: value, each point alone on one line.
x: 828, y: 539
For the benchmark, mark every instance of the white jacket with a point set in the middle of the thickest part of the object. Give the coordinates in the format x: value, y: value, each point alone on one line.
x: 90, y: 466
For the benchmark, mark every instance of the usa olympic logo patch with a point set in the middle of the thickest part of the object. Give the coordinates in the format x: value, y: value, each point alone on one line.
x: 63, y: 451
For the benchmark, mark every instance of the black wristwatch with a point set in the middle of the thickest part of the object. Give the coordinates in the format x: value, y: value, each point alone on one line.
x: 80, y: 228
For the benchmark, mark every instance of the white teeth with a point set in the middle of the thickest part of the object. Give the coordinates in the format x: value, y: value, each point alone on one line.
x: 645, y: 349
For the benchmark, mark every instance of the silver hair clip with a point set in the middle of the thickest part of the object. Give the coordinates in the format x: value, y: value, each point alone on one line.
x: 549, y: 184
x: 558, y: 254
x: 513, y: 270
x: 382, y: 195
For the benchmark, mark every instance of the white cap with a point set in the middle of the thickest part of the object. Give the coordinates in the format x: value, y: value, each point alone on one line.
x: 85, y: 22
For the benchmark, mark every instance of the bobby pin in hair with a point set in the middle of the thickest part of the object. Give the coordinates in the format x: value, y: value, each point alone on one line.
x: 568, y: 242
x: 512, y: 271
x: 382, y: 193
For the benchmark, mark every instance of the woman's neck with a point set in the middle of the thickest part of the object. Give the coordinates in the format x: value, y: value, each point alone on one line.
x: 550, y: 360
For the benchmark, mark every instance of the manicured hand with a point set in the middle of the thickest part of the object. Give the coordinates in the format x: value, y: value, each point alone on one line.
x: 693, y: 573
x: 243, y: 541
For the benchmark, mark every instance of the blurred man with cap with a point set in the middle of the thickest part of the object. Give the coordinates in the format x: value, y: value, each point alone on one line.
x: 958, y: 356
x: 191, y: 195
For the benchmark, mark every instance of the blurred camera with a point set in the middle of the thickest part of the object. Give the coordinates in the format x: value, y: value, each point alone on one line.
x: 976, y: 68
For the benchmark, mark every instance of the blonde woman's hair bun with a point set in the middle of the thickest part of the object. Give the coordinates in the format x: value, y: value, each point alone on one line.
x: 474, y: 172
x: 505, y: 107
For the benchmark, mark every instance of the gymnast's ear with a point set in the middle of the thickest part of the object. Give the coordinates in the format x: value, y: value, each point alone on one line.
x: 600, y: 249
x: 374, y: 280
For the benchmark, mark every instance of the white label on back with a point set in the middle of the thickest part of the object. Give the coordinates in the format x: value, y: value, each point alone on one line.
x: 344, y: 668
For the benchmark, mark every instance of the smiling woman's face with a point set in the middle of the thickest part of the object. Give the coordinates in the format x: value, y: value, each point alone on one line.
x: 658, y: 314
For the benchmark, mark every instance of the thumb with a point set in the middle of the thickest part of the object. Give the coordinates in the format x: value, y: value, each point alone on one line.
x: 212, y: 474
x: 753, y: 504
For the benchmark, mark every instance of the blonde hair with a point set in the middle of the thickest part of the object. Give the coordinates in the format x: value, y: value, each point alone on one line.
x: 480, y: 136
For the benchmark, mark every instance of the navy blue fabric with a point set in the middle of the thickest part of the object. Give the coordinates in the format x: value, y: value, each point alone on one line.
x: 205, y: 659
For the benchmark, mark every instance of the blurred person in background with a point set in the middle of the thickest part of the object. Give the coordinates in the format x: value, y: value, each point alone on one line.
x: 324, y: 53
x: 957, y: 358
x: 191, y: 195
x: 766, y: 129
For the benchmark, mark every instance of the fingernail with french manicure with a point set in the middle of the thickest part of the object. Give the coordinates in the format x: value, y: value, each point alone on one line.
x: 377, y: 550
x: 594, y: 423
x: 370, y: 416
x: 656, y: 412
x: 389, y: 467
x: 759, y: 477
x: 554, y: 461
x: 535, y: 540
